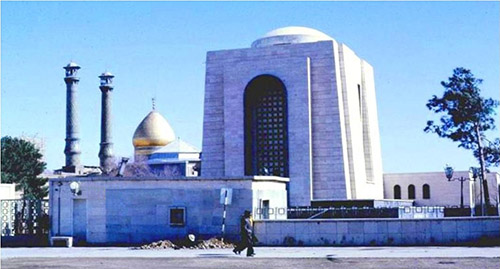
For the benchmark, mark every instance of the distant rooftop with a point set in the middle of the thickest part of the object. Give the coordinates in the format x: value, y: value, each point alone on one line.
x: 178, y: 146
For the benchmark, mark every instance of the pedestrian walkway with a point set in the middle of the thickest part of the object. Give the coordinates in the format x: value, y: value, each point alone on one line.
x: 262, y: 252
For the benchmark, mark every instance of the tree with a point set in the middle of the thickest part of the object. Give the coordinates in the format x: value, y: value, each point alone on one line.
x: 22, y: 164
x: 467, y: 116
x: 139, y: 168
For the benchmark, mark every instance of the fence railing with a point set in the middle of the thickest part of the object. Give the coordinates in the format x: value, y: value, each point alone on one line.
x: 24, y: 217
x: 339, y: 213
x: 382, y: 212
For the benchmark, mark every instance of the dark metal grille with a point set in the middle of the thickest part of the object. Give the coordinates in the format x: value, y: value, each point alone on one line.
x: 24, y: 217
x: 266, y: 149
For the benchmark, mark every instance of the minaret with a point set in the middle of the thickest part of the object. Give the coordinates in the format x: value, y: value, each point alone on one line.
x: 106, y: 151
x: 72, y: 148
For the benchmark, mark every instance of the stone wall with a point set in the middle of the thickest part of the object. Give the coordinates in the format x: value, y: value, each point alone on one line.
x: 379, y: 232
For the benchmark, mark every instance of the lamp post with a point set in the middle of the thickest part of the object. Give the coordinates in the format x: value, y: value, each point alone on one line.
x: 448, y: 171
x: 59, y: 185
x: 475, y: 172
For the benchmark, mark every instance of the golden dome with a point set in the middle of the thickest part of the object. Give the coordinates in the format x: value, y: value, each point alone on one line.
x: 153, y: 131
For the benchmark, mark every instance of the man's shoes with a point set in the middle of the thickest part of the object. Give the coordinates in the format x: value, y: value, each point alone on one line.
x: 236, y: 252
x: 251, y: 255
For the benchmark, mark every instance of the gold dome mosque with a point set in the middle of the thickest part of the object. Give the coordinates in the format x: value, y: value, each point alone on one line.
x: 153, y: 132
x: 155, y: 143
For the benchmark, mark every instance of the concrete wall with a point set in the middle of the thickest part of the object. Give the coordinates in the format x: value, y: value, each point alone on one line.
x: 443, y: 192
x: 8, y: 191
x: 382, y: 232
x: 374, y: 184
x: 136, y: 210
x: 350, y: 69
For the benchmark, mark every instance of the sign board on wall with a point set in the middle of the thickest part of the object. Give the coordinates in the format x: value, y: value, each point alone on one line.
x: 223, y: 195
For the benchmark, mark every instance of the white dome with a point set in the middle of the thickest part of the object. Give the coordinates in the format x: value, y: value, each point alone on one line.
x: 290, y: 35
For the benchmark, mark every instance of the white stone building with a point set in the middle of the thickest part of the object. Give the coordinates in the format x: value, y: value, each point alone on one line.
x: 295, y: 104
x: 290, y: 121
x: 434, y: 189
x: 110, y: 210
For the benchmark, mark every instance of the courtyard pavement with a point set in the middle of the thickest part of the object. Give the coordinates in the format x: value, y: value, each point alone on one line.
x: 262, y: 252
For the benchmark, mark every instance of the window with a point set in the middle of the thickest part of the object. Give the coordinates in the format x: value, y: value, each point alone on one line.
x: 177, y: 216
x: 360, y: 102
x: 265, y: 209
x: 266, y: 130
x: 426, y: 191
x: 397, y: 192
x: 411, y: 192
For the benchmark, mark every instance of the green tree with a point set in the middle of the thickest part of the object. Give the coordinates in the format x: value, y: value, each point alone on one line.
x: 466, y: 116
x: 21, y: 164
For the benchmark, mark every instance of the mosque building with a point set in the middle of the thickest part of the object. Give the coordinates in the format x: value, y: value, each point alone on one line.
x: 155, y: 143
x: 290, y: 121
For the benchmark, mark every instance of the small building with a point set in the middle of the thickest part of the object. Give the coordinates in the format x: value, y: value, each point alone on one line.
x: 111, y: 210
x: 179, y: 157
x: 8, y: 191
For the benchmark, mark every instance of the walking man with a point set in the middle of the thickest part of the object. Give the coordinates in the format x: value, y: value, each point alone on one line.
x: 246, y: 231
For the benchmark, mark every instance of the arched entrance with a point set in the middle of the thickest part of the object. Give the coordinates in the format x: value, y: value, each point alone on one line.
x: 266, y: 127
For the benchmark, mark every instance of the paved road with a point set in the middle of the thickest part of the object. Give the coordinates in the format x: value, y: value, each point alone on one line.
x: 115, y: 263
x: 262, y: 252
x: 267, y: 257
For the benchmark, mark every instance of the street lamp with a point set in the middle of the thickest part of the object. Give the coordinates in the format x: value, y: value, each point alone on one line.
x: 59, y: 185
x: 75, y: 188
x: 448, y: 171
x: 474, y: 173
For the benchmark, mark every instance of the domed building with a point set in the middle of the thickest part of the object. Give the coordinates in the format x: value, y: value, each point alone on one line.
x: 153, y: 132
x: 155, y: 143
x: 296, y: 104
x: 290, y: 121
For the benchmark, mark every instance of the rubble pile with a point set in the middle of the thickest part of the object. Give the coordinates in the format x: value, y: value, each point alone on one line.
x: 162, y: 244
x: 186, y: 244
x: 213, y: 243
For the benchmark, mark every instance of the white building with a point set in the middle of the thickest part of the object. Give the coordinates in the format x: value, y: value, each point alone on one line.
x: 434, y: 189
x: 110, y: 210
x: 290, y: 121
x: 295, y: 104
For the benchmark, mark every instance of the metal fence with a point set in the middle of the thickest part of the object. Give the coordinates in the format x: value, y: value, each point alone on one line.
x: 381, y: 212
x: 342, y: 212
x: 24, y: 217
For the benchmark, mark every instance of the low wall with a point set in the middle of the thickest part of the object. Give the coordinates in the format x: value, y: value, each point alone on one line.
x: 378, y: 232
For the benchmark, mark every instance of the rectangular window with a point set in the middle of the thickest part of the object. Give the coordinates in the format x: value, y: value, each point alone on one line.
x: 265, y: 209
x: 177, y: 216
x: 359, y: 102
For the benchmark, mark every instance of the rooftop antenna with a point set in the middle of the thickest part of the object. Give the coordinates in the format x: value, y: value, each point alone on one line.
x: 154, y: 104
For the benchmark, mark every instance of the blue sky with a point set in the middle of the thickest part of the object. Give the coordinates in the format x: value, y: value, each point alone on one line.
x: 158, y: 49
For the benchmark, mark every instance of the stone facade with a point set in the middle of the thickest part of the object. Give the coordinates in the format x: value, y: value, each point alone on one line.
x: 137, y: 210
x: 442, y: 192
x: 333, y: 143
x: 377, y: 232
